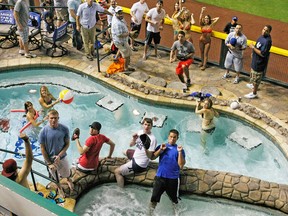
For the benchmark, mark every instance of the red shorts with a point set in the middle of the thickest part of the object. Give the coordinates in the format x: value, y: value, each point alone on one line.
x: 186, y: 63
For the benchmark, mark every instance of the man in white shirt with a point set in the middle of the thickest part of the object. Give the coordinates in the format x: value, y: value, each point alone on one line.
x: 155, y: 18
x: 142, y: 153
x: 138, y: 10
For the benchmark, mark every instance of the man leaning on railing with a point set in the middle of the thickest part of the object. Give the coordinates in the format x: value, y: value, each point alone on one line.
x: 10, y: 169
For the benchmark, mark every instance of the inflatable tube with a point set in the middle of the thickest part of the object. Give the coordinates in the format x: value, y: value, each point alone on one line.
x: 29, y: 123
x: 17, y: 110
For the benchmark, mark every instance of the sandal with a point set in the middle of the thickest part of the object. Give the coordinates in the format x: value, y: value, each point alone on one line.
x: 76, y: 134
x: 52, y: 194
x: 203, y: 68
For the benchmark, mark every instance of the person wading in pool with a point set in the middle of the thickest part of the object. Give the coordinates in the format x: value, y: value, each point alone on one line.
x: 208, y: 114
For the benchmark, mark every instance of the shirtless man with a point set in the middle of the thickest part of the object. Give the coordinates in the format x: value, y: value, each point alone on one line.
x: 10, y: 169
x: 208, y: 114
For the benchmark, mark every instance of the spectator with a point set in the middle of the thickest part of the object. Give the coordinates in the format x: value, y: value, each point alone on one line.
x: 61, y: 11
x: 86, y: 24
x: 141, y: 155
x: 231, y: 25
x: 172, y: 159
x: 111, y: 9
x: 155, y: 18
x: 21, y: 15
x: 207, y: 113
x: 184, y: 51
x: 54, y: 142
x: 206, y: 24
x: 46, y: 98
x: 260, y: 57
x: 73, y: 6
x: 89, y: 158
x: 176, y: 18
x: 186, y: 23
x: 120, y: 35
x: 48, y: 18
x: 10, y: 169
x: 138, y: 10
x: 103, y: 20
x: 236, y: 42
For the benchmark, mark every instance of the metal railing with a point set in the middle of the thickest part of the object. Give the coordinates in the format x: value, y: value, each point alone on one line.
x: 33, y: 171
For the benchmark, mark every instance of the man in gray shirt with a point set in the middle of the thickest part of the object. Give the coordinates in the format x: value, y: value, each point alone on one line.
x: 21, y: 14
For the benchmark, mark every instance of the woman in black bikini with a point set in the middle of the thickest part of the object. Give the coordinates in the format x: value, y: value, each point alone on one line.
x: 46, y: 98
x: 208, y: 114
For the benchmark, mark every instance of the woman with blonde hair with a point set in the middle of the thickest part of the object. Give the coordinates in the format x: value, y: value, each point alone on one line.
x: 207, y: 113
x: 186, y: 23
x: 46, y: 98
x: 176, y: 18
x: 206, y: 24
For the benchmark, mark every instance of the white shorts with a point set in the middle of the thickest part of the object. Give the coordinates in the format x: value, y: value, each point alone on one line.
x: 63, y: 169
x: 124, y: 49
x: 130, y: 168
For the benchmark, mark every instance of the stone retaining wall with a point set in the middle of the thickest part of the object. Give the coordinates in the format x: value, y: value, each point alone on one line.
x: 194, y: 181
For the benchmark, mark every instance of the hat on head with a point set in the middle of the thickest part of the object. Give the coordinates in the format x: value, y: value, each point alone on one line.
x: 118, y: 8
x: 96, y: 126
x: 233, y: 41
x: 235, y: 18
x: 145, y: 140
x: 9, y: 167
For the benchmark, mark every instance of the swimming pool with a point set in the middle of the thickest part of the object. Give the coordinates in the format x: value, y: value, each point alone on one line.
x: 264, y: 162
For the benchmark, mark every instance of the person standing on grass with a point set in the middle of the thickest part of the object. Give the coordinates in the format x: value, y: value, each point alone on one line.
x: 260, y: 57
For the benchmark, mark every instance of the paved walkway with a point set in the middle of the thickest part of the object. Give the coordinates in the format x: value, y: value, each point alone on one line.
x: 271, y: 98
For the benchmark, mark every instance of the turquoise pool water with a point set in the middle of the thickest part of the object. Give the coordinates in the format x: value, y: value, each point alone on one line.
x: 264, y: 162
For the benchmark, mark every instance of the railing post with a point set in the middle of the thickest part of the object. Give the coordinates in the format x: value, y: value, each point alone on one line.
x: 33, y: 180
x: 223, y: 52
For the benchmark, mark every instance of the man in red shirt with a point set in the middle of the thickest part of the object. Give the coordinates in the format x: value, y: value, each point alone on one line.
x: 89, y: 158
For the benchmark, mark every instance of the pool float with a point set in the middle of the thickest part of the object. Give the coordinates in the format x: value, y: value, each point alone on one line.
x: 27, y: 124
x: 158, y: 119
x: 109, y: 103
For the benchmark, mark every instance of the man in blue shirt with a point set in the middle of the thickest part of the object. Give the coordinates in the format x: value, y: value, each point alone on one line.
x: 172, y: 159
x: 260, y: 56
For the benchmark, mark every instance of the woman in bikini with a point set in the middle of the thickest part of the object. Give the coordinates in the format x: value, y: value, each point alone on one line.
x: 176, y: 18
x: 46, y: 98
x: 206, y: 24
x: 208, y: 114
x: 185, y: 24
x: 32, y: 114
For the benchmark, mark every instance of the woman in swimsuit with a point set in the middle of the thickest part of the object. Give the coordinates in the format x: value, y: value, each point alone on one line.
x: 208, y: 114
x: 175, y: 19
x: 46, y: 98
x: 186, y: 23
x: 206, y: 24
x: 32, y: 114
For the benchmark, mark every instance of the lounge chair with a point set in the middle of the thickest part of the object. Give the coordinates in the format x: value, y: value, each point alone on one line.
x: 56, y: 39
x: 7, y: 30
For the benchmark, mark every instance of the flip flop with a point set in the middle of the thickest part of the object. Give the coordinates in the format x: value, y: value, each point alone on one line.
x: 59, y: 200
x: 52, y: 194
x: 76, y: 134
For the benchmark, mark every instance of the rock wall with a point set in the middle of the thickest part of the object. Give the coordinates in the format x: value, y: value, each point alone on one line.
x: 194, y: 181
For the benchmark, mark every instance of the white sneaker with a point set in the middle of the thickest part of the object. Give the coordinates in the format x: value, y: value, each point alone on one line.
x: 21, y: 52
x: 236, y: 81
x: 30, y: 55
x: 250, y: 85
x: 226, y: 76
x: 250, y: 95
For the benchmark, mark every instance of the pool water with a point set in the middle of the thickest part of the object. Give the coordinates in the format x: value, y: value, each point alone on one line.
x: 109, y: 199
x: 265, y: 161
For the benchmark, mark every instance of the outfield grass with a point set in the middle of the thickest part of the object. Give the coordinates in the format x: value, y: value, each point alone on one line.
x: 272, y: 9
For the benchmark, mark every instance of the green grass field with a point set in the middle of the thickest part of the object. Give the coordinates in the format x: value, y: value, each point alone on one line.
x: 273, y: 9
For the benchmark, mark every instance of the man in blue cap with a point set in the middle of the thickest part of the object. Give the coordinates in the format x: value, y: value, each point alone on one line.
x: 230, y: 27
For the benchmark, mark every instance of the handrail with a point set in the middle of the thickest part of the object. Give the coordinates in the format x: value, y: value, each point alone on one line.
x: 33, y: 171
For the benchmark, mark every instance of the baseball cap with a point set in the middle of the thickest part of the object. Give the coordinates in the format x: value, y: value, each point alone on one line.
x: 96, y: 126
x: 9, y: 167
x: 235, y: 18
x: 118, y: 8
